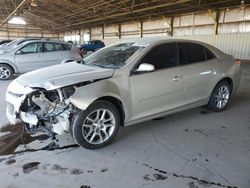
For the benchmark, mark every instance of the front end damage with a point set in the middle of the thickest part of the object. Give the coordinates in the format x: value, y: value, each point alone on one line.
x: 47, y: 98
x: 38, y: 108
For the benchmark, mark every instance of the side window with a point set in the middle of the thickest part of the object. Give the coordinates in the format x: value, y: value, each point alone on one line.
x: 191, y: 53
x: 58, y: 47
x: 49, y: 47
x: 162, y: 56
x: 67, y: 46
x: 209, y: 55
x: 31, y: 48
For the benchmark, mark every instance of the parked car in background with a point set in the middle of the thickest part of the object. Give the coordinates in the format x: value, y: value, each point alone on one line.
x: 93, y: 46
x: 15, y: 43
x: 121, y: 85
x: 35, y: 54
x: 4, y: 42
x: 70, y: 41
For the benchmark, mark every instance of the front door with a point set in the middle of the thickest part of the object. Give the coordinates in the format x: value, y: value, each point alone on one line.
x: 28, y: 58
x: 160, y: 90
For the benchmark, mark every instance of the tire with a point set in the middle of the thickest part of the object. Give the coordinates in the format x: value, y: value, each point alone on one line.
x: 220, y: 97
x: 6, y: 72
x: 72, y: 119
x: 90, y: 129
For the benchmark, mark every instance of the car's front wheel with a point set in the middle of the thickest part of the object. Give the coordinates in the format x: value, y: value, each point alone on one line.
x: 96, y: 126
x: 220, y: 97
x: 6, y: 72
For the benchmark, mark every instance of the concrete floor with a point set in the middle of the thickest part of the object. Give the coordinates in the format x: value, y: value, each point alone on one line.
x: 192, y: 149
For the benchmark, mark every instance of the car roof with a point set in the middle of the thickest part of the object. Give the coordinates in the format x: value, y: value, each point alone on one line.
x: 154, y: 40
x: 144, y: 42
x: 45, y: 40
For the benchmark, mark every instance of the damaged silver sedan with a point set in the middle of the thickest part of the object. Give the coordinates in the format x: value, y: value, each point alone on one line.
x: 122, y: 85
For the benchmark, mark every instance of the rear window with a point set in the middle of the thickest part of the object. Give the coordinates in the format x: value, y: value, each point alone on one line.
x: 209, y: 55
x: 67, y: 46
x: 53, y: 47
x: 191, y: 53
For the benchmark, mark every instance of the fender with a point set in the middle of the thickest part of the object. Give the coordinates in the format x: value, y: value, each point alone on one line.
x: 7, y: 62
x: 86, y: 95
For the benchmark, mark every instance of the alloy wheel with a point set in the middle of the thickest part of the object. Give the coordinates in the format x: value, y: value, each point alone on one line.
x: 4, y: 73
x: 222, y: 96
x: 98, y: 126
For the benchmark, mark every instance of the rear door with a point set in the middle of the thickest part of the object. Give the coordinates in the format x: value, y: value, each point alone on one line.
x: 29, y: 57
x: 197, y: 70
x: 52, y: 53
x: 160, y: 90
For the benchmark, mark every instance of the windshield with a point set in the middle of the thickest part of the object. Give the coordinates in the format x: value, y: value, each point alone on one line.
x: 113, y: 56
x: 15, y: 43
x: 12, y: 43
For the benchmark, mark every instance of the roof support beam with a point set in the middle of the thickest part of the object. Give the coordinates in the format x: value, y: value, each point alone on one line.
x: 14, y: 11
x: 126, y: 13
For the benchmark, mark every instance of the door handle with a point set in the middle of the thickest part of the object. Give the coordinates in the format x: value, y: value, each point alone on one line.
x: 177, y: 78
x: 212, y: 71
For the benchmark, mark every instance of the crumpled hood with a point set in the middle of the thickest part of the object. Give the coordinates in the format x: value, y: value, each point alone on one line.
x: 57, y: 76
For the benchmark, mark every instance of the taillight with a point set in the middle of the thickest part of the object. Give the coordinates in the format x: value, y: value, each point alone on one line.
x: 238, y: 61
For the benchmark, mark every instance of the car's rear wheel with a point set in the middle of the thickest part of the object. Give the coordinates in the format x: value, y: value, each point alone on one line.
x: 6, y: 72
x: 97, y: 126
x: 220, y: 97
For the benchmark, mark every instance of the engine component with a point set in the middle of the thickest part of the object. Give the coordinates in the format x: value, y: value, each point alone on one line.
x: 48, y: 110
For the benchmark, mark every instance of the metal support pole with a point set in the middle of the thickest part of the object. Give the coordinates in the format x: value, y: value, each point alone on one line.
x: 103, y: 30
x: 119, y: 31
x: 90, y: 35
x: 141, y: 29
x: 171, y: 26
x: 215, y: 18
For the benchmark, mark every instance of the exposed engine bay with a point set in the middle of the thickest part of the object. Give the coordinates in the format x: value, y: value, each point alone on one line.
x: 48, y: 110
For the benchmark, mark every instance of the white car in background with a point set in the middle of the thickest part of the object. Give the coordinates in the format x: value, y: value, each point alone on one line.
x: 35, y: 54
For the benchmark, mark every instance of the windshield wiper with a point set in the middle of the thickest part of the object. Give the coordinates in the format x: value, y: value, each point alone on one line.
x: 106, y: 66
x: 98, y: 65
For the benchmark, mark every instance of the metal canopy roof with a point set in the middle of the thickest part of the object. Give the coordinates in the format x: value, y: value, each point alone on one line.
x: 67, y: 15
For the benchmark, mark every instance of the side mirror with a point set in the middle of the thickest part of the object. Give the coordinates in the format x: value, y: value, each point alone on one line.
x: 145, y: 67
